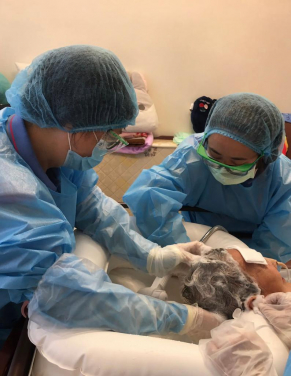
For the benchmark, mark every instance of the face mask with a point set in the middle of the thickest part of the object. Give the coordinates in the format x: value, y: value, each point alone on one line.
x: 76, y: 162
x: 226, y: 178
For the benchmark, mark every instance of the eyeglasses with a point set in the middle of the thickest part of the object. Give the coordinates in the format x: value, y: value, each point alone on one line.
x: 111, y: 142
x: 241, y: 170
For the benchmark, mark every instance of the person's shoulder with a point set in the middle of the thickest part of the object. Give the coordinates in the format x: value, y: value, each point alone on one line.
x: 185, y: 154
x: 284, y: 160
x: 283, y: 163
x: 191, y: 141
x: 282, y: 170
x: 5, y: 113
x: 16, y: 178
x: 188, y: 148
x: 17, y: 181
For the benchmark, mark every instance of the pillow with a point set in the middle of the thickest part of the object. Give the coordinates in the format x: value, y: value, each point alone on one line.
x: 147, y: 119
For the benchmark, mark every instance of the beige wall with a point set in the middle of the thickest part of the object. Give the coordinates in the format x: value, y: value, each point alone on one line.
x: 185, y: 48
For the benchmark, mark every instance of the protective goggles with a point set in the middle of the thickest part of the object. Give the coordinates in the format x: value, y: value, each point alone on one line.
x: 111, y: 142
x: 241, y: 170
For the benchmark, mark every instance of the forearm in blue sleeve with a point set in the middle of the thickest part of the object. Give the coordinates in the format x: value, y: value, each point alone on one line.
x: 77, y: 294
x: 272, y: 237
x: 288, y: 366
x: 108, y: 223
x: 155, y: 202
x: 264, y: 241
x: 33, y: 234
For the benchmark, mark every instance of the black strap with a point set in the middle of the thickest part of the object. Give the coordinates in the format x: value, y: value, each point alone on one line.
x: 237, y: 234
x: 23, y: 355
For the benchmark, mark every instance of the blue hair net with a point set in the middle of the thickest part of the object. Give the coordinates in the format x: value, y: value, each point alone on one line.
x: 250, y: 119
x: 75, y: 88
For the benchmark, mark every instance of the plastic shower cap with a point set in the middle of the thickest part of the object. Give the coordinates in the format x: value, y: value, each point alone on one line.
x: 217, y: 283
x: 75, y: 88
x: 250, y: 119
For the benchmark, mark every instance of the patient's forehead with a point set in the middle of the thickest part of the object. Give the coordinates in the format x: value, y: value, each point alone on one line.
x: 250, y: 268
x: 236, y: 255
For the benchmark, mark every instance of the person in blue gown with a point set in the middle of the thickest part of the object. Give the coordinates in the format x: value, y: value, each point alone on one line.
x: 67, y: 109
x: 233, y: 174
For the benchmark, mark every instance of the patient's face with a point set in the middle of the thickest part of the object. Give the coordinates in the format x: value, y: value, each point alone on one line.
x: 267, y: 276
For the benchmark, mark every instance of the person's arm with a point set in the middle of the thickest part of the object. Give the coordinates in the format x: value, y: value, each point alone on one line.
x: 158, y: 194
x: 272, y: 237
x: 76, y: 293
x: 235, y: 349
x: 287, y: 371
x: 108, y: 223
x: 33, y: 234
x: 276, y: 308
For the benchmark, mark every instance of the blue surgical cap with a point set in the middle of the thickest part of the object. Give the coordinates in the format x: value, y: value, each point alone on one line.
x: 75, y: 88
x: 250, y: 119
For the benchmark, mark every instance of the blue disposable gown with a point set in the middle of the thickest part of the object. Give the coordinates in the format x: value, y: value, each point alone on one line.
x: 261, y: 208
x: 288, y: 367
x: 36, y: 229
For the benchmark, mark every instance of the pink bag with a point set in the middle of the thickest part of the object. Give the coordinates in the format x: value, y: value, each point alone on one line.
x: 137, y: 149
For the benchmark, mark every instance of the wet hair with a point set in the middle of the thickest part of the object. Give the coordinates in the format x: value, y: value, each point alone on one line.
x: 217, y: 284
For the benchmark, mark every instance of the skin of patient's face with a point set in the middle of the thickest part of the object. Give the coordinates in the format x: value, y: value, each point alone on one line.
x: 267, y: 276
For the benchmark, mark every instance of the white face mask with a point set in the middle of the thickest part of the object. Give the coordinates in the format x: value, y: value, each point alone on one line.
x: 76, y: 162
x: 109, y: 143
x: 226, y: 178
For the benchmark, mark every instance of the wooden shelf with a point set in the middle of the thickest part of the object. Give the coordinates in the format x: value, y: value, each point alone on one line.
x: 162, y: 143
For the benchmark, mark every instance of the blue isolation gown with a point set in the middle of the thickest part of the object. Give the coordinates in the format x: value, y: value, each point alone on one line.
x: 38, y: 213
x: 260, y: 207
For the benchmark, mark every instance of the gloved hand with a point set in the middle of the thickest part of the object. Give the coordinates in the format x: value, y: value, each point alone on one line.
x: 162, y: 261
x: 235, y: 349
x: 200, y: 322
x: 276, y: 308
x: 194, y: 247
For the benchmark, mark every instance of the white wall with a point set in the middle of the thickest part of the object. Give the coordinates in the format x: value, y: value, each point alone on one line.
x: 185, y: 48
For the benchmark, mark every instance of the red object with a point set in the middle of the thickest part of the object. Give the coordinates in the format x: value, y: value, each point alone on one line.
x: 285, y: 148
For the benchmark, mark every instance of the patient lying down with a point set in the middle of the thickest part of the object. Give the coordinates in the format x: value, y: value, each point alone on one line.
x: 221, y: 281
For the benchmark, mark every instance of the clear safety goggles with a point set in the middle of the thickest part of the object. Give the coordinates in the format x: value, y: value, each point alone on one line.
x: 111, y: 142
x: 241, y: 170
